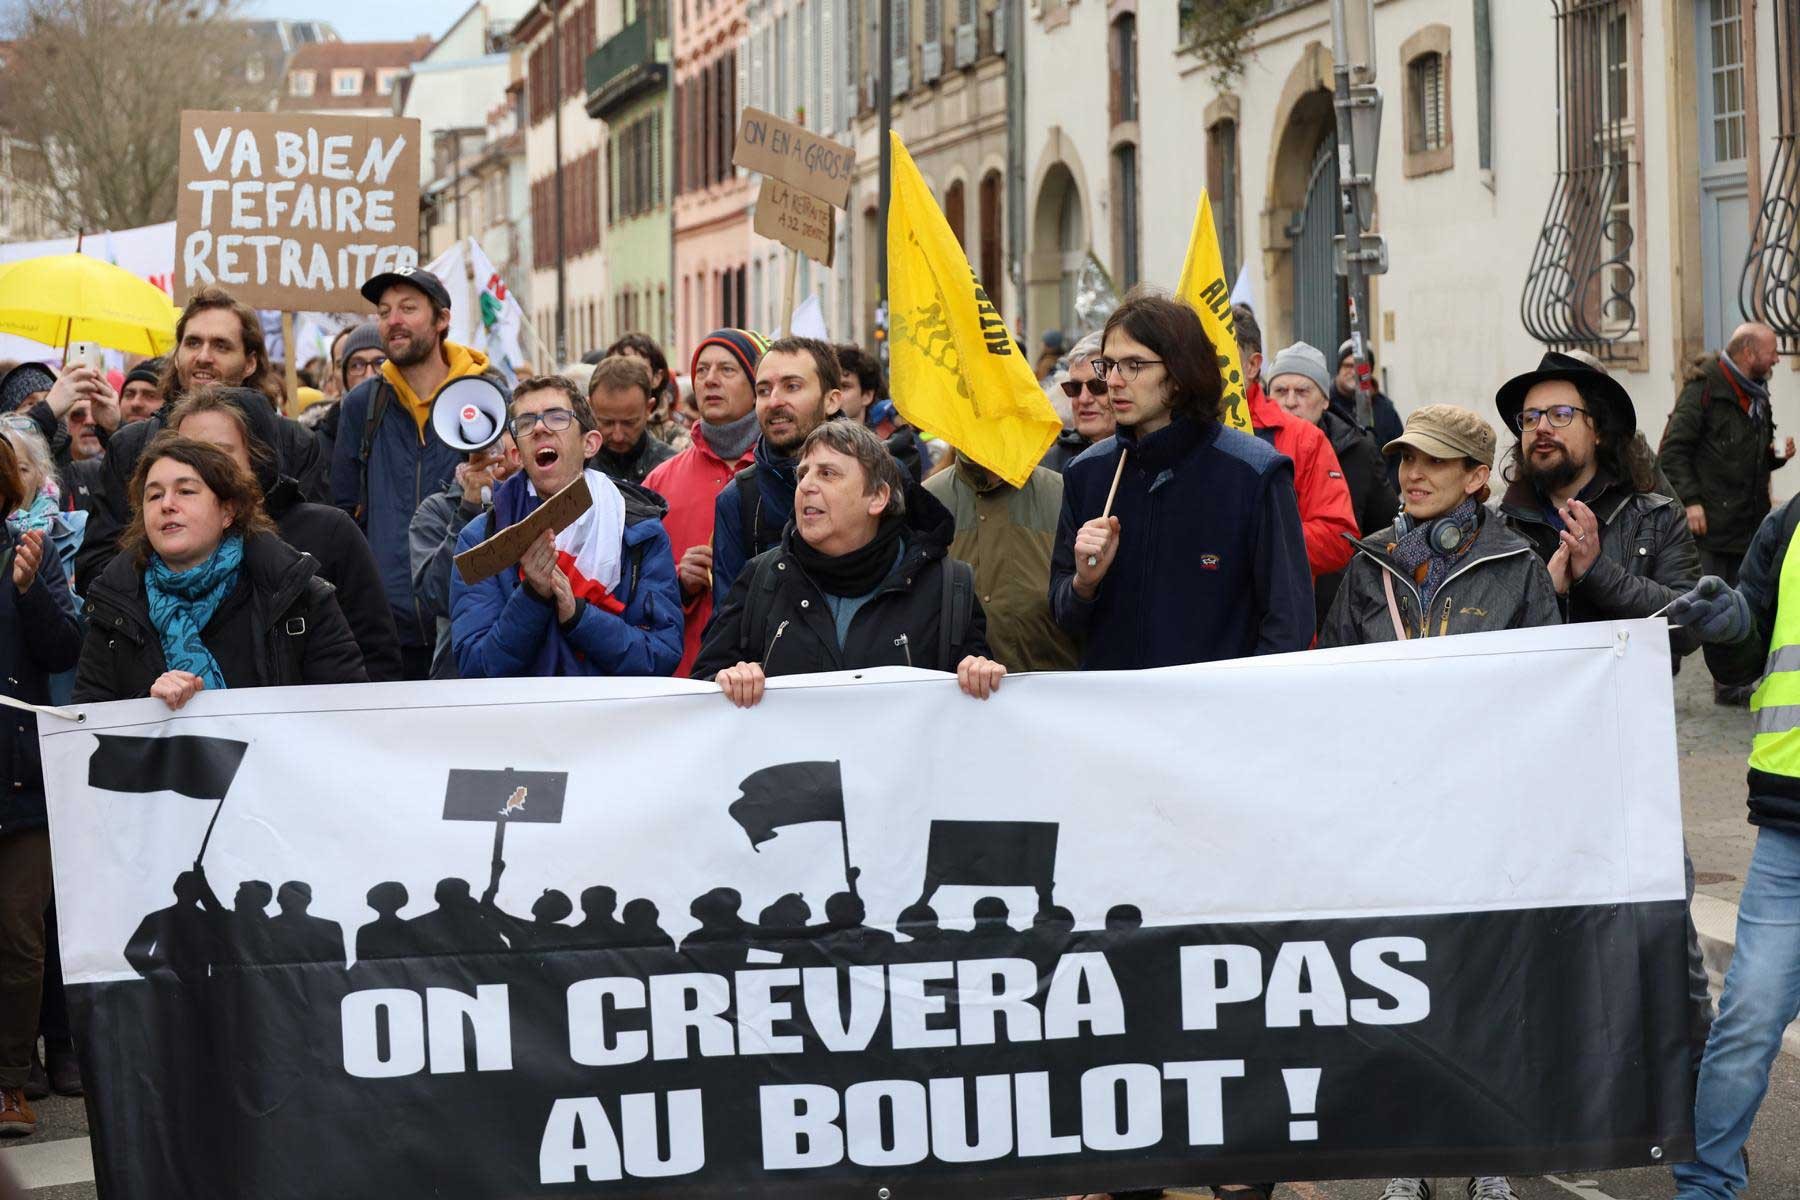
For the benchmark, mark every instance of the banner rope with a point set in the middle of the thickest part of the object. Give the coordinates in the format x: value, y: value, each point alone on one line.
x: 48, y: 710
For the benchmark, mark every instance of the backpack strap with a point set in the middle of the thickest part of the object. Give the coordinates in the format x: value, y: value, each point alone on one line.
x: 758, y: 601
x: 378, y: 405
x: 957, y: 611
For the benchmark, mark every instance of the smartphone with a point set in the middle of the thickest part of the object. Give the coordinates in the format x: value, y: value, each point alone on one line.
x: 87, y: 354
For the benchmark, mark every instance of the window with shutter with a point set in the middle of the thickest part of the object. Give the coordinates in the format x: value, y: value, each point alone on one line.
x: 1425, y: 86
x: 902, y: 42
x: 657, y: 194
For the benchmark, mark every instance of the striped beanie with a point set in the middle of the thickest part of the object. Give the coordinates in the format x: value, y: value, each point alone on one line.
x: 745, y: 345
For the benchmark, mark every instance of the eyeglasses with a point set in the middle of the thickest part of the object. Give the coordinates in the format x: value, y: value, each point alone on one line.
x: 554, y: 419
x: 1560, y: 415
x: 1095, y: 387
x: 357, y: 367
x: 1128, y: 367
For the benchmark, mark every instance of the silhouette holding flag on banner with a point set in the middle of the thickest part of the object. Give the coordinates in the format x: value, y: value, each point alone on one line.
x: 793, y: 794
x: 957, y: 372
x: 1206, y: 290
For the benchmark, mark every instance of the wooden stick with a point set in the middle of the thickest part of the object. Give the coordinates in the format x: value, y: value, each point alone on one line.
x: 787, y: 298
x: 293, y: 368
x: 1118, y: 471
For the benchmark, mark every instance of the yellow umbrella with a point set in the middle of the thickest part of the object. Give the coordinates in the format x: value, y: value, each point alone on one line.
x: 64, y: 298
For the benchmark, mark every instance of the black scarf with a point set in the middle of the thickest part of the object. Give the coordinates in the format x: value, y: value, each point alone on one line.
x: 859, y: 572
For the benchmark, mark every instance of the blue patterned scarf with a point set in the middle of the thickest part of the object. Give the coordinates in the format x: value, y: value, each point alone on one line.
x: 1414, y: 552
x: 36, y: 515
x: 181, y: 603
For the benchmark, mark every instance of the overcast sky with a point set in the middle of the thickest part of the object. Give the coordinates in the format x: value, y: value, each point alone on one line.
x: 368, y: 20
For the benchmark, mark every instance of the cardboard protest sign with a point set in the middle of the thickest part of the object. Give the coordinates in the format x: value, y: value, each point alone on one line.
x: 509, y: 545
x: 795, y: 155
x: 294, y: 211
x: 798, y: 221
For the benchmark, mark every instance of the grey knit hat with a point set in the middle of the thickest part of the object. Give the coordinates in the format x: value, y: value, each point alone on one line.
x: 26, y: 379
x: 1299, y: 359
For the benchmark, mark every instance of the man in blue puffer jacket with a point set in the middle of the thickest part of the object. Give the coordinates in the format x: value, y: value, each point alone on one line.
x: 600, y: 598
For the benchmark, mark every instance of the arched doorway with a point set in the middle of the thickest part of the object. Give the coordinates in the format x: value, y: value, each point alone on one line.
x: 1059, y: 249
x: 1317, y: 300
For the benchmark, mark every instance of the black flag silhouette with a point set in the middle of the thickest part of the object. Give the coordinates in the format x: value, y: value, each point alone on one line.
x: 992, y: 853
x: 198, y: 767
x: 788, y: 794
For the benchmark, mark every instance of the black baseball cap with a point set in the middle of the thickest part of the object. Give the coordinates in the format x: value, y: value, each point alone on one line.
x: 417, y: 277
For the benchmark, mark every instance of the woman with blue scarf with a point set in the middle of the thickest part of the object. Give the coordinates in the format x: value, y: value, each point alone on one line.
x: 1446, y: 565
x: 204, y: 594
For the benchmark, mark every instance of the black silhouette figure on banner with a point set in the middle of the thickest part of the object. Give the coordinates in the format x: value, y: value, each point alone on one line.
x: 1124, y: 918
x: 544, y: 931
x: 919, y: 921
x: 787, y: 916
x: 299, y: 937
x: 642, y: 929
x: 717, y: 912
x: 598, y: 927
x: 387, y: 936
x: 181, y: 940
x: 456, y: 926
x: 247, y: 929
x: 850, y: 938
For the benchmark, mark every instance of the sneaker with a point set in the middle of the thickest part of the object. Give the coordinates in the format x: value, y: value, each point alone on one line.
x: 16, y: 1117
x: 1407, y: 1189
x: 1491, y: 1187
x: 37, y: 1087
x: 64, y: 1072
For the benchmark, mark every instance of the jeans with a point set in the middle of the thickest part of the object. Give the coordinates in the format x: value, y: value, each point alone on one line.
x: 24, y: 894
x: 1761, y: 997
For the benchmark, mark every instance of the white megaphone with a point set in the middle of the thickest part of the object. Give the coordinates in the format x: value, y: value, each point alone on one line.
x: 469, y: 414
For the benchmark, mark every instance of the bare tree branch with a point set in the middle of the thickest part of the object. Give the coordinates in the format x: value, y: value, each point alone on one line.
x: 103, y: 91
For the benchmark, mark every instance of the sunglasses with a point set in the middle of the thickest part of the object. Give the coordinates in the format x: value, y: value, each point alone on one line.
x: 1072, y: 388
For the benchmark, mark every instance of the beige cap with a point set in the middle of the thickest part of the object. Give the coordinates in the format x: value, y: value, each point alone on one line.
x: 1447, y: 431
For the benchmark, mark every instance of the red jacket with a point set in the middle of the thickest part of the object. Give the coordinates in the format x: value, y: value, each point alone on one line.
x: 1326, y: 514
x: 691, y: 483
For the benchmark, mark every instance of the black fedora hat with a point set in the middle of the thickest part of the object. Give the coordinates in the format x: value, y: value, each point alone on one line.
x: 1511, y: 396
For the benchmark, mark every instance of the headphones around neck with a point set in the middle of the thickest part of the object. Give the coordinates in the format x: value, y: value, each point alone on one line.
x: 1442, y: 534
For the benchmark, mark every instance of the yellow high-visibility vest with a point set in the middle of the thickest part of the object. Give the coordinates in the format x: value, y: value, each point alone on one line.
x: 1775, y: 707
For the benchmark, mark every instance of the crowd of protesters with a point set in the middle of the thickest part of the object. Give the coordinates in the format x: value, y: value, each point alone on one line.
x: 185, y: 528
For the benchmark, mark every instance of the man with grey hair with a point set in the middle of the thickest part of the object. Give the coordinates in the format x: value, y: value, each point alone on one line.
x: 1299, y: 382
x: 861, y: 578
x: 1093, y: 412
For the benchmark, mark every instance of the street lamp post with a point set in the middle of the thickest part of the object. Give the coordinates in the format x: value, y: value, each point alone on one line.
x: 1358, y: 107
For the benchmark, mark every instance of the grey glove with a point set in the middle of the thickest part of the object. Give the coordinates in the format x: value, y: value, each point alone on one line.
x: 1715, y: 612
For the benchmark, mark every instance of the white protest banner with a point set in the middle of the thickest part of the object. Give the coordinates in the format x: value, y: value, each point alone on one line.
x: 294, y: 211
x: 523, y: 936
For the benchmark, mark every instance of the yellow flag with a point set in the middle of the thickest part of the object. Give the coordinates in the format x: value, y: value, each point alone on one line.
x: 1204, y: 286
x: 957, y: 373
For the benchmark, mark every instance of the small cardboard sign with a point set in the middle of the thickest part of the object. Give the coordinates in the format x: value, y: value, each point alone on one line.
x: 796, y: 220
x: 793, y: 154
x: 507, y: 547
x: 295, y: 211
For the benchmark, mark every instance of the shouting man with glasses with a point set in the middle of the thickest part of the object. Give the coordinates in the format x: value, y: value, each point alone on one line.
x: 1201, y: 555
x: 599, y: 598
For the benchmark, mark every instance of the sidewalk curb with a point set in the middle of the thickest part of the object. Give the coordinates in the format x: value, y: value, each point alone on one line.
x: 1716, y: 922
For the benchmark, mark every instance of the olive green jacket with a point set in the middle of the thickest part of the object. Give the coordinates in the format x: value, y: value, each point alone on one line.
x: 1007, y: 534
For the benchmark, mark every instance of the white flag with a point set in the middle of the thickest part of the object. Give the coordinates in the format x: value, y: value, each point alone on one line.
x: 483, y: 313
